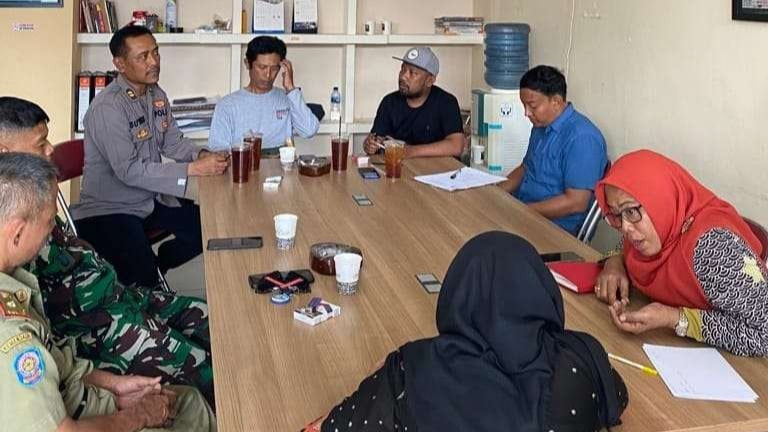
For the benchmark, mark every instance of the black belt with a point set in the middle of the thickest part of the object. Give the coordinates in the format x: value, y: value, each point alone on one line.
x: 81, y: 405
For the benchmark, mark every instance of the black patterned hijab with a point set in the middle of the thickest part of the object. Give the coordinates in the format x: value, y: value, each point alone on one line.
x: 501, y: 330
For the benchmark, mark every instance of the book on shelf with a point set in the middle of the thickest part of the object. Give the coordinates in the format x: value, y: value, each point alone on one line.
x: 459, y: 25
x: 98, y: 16
x: 89, y: 84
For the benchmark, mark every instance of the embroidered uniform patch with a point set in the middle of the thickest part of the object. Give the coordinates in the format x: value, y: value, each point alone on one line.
x: 29, y: 367
x: 15, y: 341
x: 159, y: 103
x: 10, y: 306
x: 21, y: 295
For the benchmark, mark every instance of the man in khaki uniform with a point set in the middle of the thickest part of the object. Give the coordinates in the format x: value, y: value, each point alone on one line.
x: 43, y: 386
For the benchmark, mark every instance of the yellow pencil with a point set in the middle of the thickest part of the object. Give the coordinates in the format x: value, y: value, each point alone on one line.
x: 649, y: 370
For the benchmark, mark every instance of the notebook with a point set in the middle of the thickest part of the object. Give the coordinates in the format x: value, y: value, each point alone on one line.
x: 578, y: 277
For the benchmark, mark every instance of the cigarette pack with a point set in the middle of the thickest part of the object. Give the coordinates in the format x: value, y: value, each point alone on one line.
x: 316, y: 315
x: 272, y: 183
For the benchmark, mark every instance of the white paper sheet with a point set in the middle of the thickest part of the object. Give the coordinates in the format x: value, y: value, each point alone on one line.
x: 699, y: 373
x: 467, y: 178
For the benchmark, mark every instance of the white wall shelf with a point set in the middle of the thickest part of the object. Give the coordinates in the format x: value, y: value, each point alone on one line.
x: 361, y: 126
x: 295, y: 39
x: 346, y: 43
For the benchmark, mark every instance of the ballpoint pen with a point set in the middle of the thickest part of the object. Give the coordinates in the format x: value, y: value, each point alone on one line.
x: 646, y: 369
x: 453, y: 176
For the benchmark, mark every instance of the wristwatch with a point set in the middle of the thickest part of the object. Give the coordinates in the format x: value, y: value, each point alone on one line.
x: 681, y: 329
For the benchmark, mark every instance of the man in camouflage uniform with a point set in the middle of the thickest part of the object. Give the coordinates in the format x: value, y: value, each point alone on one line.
x: 44, y: 387
x: 126, y: 330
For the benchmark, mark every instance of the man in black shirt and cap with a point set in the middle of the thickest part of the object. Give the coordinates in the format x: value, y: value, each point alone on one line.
x: 424, y: 116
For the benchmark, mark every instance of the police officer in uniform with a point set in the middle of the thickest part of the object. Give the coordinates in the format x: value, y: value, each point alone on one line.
x: 43, y: 386
x: 126, y: 188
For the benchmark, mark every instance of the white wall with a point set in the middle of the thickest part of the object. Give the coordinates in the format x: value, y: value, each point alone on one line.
x: 677, y: 76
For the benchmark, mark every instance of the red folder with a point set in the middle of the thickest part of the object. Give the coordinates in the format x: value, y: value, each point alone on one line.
x: 579, y: 277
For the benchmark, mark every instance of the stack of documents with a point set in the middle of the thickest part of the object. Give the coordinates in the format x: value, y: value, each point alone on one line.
x: 465, y: 178
x: 194, y: 114
x: 699, y: 373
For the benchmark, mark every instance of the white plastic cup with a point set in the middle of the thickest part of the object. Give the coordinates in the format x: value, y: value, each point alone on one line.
x: 347, y: 267
x: 477, y: 154
x: 285, y: 230
x: 287, y: 157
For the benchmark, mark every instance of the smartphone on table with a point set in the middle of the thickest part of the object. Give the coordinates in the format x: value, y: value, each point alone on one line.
x: 429, y: 282
x: 566, y: 256
x: 231, y: 243
x: 369, y: 173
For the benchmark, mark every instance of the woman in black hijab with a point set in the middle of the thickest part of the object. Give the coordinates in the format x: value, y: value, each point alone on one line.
x: 502, y: 361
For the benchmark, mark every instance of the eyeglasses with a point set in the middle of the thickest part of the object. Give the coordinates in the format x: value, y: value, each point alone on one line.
x: 629, y: 214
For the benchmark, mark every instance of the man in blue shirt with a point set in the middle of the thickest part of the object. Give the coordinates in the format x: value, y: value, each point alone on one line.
x: 566, y: 152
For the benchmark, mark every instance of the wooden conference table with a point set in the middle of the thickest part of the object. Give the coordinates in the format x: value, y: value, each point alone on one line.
x: 275, y: 374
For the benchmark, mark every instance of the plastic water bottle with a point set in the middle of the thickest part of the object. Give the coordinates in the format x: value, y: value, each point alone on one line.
x: 335, y: 104
x: 170, y: 15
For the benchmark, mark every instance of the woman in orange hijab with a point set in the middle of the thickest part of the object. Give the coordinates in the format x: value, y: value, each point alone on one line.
x: 690, y: 252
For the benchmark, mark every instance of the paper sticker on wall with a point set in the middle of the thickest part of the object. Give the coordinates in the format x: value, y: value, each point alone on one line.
x: 18, y: 27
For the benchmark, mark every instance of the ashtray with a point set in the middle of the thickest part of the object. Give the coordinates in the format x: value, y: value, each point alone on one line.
x: 321, y: 256
x: 314, y: 166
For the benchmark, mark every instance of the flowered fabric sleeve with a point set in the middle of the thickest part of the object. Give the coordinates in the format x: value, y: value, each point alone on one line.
x: 733, y: 279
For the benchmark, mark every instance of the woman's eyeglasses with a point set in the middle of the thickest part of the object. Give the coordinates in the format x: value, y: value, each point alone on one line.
x: 629, y: 214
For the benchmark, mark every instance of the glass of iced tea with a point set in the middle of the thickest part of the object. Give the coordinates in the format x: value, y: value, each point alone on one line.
x: 339, y: 152
x: 394, y: 153
x: 255, y: 140
x: 242, y: 158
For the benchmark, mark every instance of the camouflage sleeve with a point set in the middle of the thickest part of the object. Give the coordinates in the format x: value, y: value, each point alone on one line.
x: 72, y: 277
x: 29, y: 382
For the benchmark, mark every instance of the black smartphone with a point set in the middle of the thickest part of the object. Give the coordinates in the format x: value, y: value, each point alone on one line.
x: 369, y: 173
x: 430, y: 282
x: 561, y: 256
x: 235, y: 243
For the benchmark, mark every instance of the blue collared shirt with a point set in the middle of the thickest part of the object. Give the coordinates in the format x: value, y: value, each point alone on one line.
x: 569, y: 153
